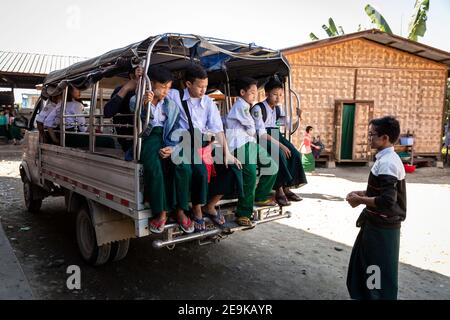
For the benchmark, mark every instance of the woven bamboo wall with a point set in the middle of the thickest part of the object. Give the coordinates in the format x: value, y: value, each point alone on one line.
x: 400, y: 84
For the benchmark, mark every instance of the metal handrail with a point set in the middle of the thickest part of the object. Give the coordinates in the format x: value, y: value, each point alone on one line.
x: 297, y: 97
x: 145, y: 80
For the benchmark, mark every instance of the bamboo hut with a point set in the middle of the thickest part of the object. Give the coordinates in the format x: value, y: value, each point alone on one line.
x: 347, y: 80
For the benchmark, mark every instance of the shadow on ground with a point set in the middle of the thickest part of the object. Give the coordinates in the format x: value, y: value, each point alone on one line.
x: 272, y: 261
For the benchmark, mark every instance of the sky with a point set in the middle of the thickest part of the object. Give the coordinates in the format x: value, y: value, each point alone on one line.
x: 88, y: 28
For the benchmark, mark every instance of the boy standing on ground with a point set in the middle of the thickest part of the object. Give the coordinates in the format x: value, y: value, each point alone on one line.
x: 375, y: 253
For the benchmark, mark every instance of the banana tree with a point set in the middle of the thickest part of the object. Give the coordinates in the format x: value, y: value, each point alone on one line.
x: 377, y: 19
x: 331, y: 30
x: 417, y: 26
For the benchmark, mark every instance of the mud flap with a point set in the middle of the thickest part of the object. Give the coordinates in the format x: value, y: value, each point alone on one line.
x: 110, y: 225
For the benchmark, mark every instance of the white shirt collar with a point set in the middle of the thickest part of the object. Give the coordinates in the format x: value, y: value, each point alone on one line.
x: 384, y: 152
x: 187, y: 96
x: 159, y: 104
x: 269, y: 108
x: 243, y: 102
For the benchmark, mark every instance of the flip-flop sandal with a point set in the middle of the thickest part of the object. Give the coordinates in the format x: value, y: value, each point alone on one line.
x: 293, y: 196
x: 186, y: 225
x: 216, y: 218
x: 244, y: 221
x: 283, y: 201
x: 199, y: 222
x: 156, y: 225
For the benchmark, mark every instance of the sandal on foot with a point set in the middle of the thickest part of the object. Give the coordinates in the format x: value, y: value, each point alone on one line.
x: 216, y: 218
x: 282, y: 201
x: 292, y: 196
x: 267, y: 203
x: 186, y: 225
x: 156, y: 225
x: 199, y: 224
x: 244, y: 221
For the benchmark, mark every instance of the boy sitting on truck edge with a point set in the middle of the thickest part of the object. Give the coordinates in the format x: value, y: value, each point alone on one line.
x: 157, y: 145
x: 241, y: 132
x: 199, y: 116
x: 291, y: 173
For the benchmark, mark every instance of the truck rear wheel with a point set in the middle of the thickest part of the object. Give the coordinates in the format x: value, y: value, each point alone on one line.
x: 119, y: 250
x: 87, y: 241
x: 33, y: 205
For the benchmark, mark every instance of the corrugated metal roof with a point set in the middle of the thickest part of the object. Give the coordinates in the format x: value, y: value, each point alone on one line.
x: 389, y: 40
x: 34, y: 63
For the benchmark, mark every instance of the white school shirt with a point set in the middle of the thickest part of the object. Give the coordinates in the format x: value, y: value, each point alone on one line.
x: 204, y: 112
x: 49, y: 106
x: 388, y: 163
x: 271, y: 121
x: 159, y: 117
x: 72, y: 108
x: 241, y: 126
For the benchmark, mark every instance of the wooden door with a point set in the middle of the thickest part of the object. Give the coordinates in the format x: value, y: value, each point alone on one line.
x: 363, y: 115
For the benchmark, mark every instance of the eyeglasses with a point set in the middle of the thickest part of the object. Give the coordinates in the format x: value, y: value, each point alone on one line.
x: 373, y: 134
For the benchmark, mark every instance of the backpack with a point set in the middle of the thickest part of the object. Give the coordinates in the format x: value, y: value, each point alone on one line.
x: 264, y: 111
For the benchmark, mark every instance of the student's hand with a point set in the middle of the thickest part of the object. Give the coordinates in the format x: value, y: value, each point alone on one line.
x: 148, y: 97
x: 286, y: 150
x: 353, y: 199
x: 359, y: 193
x: 230, y: 159
x: 165, y: 152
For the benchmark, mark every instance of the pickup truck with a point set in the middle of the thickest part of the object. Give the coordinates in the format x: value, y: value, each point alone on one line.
x: 104, y: 191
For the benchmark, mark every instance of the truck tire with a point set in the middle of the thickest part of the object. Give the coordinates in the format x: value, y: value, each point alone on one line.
x: 33, y: 205
x: 92, y: 253
x: 119, y: 250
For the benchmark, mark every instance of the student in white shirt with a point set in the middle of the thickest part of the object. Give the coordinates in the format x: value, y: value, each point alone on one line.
x: 203, y: 117
x: 75, y: 123
x: 51, y: 104
x: 158, y: 143
x: 241, y: 135
x: 291, y: 173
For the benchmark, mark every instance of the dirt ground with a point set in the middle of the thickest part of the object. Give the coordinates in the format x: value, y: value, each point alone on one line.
x: 304, y: 257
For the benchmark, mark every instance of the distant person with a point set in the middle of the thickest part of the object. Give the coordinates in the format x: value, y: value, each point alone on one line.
x: 375, y: 253
x: 309, y: 164
x: 51, y: 104
x: 317, y: 142
x: 72, y: 124
x: 3, y: 124
x: 14, y: 132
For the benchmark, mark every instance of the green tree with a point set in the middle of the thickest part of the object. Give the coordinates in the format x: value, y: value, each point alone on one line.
x: 416, y: 28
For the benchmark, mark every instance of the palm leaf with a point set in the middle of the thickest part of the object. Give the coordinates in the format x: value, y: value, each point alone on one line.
x: 417, y: 26
x: 332, y: 27
x: 327, y: 30
x: 313, y: 37
x: 377, y: 19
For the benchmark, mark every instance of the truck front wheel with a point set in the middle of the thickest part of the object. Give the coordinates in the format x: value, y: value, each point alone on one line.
x: 87, y: 241
x: 33, y: 205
